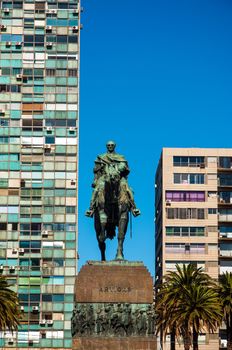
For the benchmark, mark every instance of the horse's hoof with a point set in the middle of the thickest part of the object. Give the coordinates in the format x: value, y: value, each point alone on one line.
x: 119, y: 256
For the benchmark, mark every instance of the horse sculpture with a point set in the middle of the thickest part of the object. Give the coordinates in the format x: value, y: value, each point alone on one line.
x: 112, y: 211
x: 112, y: 200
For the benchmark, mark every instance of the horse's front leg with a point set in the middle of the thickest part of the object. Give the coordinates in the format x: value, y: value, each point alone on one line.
x: 100, y: 228
x: 122, y: 227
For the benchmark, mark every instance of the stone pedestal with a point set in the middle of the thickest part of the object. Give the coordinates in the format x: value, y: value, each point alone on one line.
x: 113, y: 307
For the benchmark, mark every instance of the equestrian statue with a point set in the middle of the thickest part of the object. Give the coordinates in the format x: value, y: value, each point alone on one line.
x: 112, y: 199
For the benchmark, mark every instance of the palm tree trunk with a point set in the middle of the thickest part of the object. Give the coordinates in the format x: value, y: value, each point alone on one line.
x: 186, y: 338
x: 195, y: 340
x: 173, y: 339
x: 229, y: 332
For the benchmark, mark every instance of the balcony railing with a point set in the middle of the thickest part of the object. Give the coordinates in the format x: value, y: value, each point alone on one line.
x: 226, y: 253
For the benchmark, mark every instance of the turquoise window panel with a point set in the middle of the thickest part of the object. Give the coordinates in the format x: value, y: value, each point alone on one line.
x: 60, y: 149
x: 58, y: 253
x: 46, y: 343
x: 61, y: 81
x: 57, y: 280
x: 11, y: 37
x: 72, y: 81
x: 2, y: 342
x: 60, y: 132
x: 15, y: 114
x: 62, y: 47
x: 47, y: 218
x: 13, y: 217
x: 3, y: 183
x: 68, y: 343
x: 62, y: 64
x: 12, y: 63
x: 49, y: 64
x: 59, y: 235
x: 58, y: 325
x: 57, y: 343
x: 38, y: 219
x: 4, y: 80
x: 47, y: 253
x: 39, y: 82
x: 49, y: 183
x: 70, y: 245
x: 72, y: 115
x: 68, y: 298
x: 58, y: 307
x: 61, y: 98
x: 68, y: 307
x: 70, y: 236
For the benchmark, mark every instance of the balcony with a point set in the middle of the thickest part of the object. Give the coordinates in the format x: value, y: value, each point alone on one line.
x: 226, y: 253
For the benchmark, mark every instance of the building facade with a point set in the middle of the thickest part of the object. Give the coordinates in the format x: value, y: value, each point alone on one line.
x: 39, y: 103
x: 194, y: 214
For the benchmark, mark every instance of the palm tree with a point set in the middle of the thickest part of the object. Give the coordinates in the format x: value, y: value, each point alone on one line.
x: 9, y: 307
x: 225, y: 292
x: 179, y: 305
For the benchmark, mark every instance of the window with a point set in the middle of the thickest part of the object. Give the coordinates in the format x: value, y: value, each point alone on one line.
x: 72, y: 72
x: 185, y: 231
x: 189, y: 178
x: 185, y: 213
x: 181, y: 248
x: 185, y: 196
x: 212, y: 211
x: 188, y: 161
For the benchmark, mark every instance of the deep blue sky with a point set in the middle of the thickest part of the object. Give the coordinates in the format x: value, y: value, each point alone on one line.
x: 153, y: 74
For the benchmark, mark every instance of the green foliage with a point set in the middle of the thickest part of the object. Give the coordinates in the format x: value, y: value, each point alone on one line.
x: 187, y: 304
x: 9, y: 307
x: 225, y: 293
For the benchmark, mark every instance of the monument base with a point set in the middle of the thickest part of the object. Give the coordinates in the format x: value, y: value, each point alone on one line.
x: 113, y: 307
x: 132, y: 343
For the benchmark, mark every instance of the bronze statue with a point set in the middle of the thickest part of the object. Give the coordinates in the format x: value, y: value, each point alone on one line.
x: 112, y: 199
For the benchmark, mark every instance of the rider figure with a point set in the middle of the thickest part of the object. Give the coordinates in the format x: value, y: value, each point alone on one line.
x: 111, y: 166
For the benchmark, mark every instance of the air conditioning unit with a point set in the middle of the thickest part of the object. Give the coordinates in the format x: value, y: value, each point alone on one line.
x: 30, y: 342
x: 8, y: 43
x: 12, y: 268
x: 10, y: 341
x: 75, y: 11
x: 75, y: 29
x: 168, y: 202
x: 50, y: 322
x: 48, y: 28
x: 35, y: 308
x: 14, y: 251
x: 19, y: 43
x: 1, y: 268
x: 202, y: 165
x: 6, y: 10
x: 21, y: 251
x: 49, y: 44
x: 48, y: 146
x: 19, y: 76
x: 3, y: 27
x: 22, y: 308
x: 53, y: 11
x: 49, y: 128
x: 44, y: 233
x: 42, y: 322
x: 73, y: 182
x: 72, y: 128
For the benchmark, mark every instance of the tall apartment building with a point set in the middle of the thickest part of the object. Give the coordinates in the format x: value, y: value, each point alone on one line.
x: 39, y: 85
x: 194, y: 214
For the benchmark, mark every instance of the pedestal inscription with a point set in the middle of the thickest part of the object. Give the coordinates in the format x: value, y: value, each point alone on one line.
x: 113, y: 307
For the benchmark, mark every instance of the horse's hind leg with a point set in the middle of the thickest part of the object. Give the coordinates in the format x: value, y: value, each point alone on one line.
x: 122, y: 227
